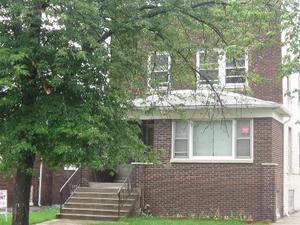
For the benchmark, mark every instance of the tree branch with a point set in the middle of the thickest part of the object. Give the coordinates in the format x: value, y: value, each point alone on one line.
x: 191, y: 67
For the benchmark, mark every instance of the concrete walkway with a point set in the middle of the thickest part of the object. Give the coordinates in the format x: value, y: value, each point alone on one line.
x: 293, y: 219
x: 68, y: 222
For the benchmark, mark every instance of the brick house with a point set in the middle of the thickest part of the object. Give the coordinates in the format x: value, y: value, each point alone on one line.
x: 233, y: 151
x: 241, y: 158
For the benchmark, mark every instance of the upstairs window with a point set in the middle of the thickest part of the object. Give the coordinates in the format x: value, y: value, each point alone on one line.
x: 159, y: 70
x: 216, y: 67
x: 236, y: 69
x: 207, y: 64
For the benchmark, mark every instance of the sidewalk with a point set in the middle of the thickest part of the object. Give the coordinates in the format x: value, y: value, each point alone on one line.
x: 293, y: 219
x: 68, y: 222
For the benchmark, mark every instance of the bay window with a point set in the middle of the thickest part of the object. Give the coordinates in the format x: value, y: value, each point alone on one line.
x: 213, y: 140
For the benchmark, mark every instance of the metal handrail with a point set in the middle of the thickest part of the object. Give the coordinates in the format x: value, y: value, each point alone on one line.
x: 67, y: 182
x: 126, y: 187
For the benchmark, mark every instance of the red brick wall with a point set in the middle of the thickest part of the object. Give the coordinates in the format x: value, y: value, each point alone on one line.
x: 278, y: 157
x: 195, y: 188
x: 266, y: 63
x: 59, y: 177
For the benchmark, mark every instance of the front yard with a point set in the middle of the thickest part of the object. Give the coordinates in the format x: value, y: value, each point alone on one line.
x: 34, y: 217
x: 162, y: 221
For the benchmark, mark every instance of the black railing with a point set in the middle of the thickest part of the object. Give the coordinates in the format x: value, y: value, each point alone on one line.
x: 125, y: 191
x: 69, y: 187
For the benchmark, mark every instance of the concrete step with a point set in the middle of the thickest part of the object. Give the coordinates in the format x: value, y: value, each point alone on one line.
x: 99, y: 190
x: 97, y: 205
x: 103, y: 212
x: 105, y: 185
x: 95, y: 195
x: 87, y: 217
x: 99, y: 200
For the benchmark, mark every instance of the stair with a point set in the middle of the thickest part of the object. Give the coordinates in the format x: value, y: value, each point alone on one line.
x: 99, y: 201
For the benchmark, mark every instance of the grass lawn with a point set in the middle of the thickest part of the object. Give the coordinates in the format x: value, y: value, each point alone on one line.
x: 35, y: 216
x: 161, y: 221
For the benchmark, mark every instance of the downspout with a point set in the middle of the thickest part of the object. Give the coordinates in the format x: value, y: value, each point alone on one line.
x: 40, y: 184
x: 284, y: 167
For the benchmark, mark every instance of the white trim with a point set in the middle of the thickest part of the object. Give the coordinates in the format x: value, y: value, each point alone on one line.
x: 250, y: 138
x: 234, y: 135
x: 201, y: 113
x: 40, y: 184
x: 174, y: 138
x: 222, y: 68
x: 70, y: 167
x: 212, y: 159
x: 141, y: 163
x: 269, y: 164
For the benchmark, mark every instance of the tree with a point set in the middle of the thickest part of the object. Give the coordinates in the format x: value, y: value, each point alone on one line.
x: 70, y: 68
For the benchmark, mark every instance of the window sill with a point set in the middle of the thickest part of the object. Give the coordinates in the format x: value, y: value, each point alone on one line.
x: 226, y: 86
x: 236, y: 86
x: 158, y: 89
x: 212, y: 161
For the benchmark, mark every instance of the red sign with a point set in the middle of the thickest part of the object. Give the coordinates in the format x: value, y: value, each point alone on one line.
x: 245, y: 130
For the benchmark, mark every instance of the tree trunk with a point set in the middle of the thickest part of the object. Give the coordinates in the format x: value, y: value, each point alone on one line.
x: 22, y: 194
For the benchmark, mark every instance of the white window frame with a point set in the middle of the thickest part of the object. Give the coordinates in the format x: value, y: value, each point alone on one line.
x: 222, y: 70
x: 237, y: 85
x: 71, y: 167
x: 198, y: 66
x: 236, y: 138
x: 162, y: 85
x: 213, y: 159
x: 174, y: 138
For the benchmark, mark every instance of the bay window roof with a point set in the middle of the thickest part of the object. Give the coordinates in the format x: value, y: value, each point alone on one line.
x: 197, y: 99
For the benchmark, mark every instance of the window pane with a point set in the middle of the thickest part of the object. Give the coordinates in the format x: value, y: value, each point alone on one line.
x: 211, y: 75
x: 158, y: 78
x: 212, y: 139
x: 181, y: 148
x: 236, y: 80
x: 243, y: 128
x: 236, y: 69
x: 211, y: 57
x: 203, y: 139
x: 161, y: 63
x: 181, y: 129
x: 209, y: 65
x: 223, y: 138
x: 243, y: 148
x: 237, y: 62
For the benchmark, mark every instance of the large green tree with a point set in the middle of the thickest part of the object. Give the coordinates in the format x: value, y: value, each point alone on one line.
x: 70, y: 68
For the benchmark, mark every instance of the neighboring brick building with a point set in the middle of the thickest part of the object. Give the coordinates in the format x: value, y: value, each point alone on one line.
x: 45, y: 192
x: 226, y: 153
